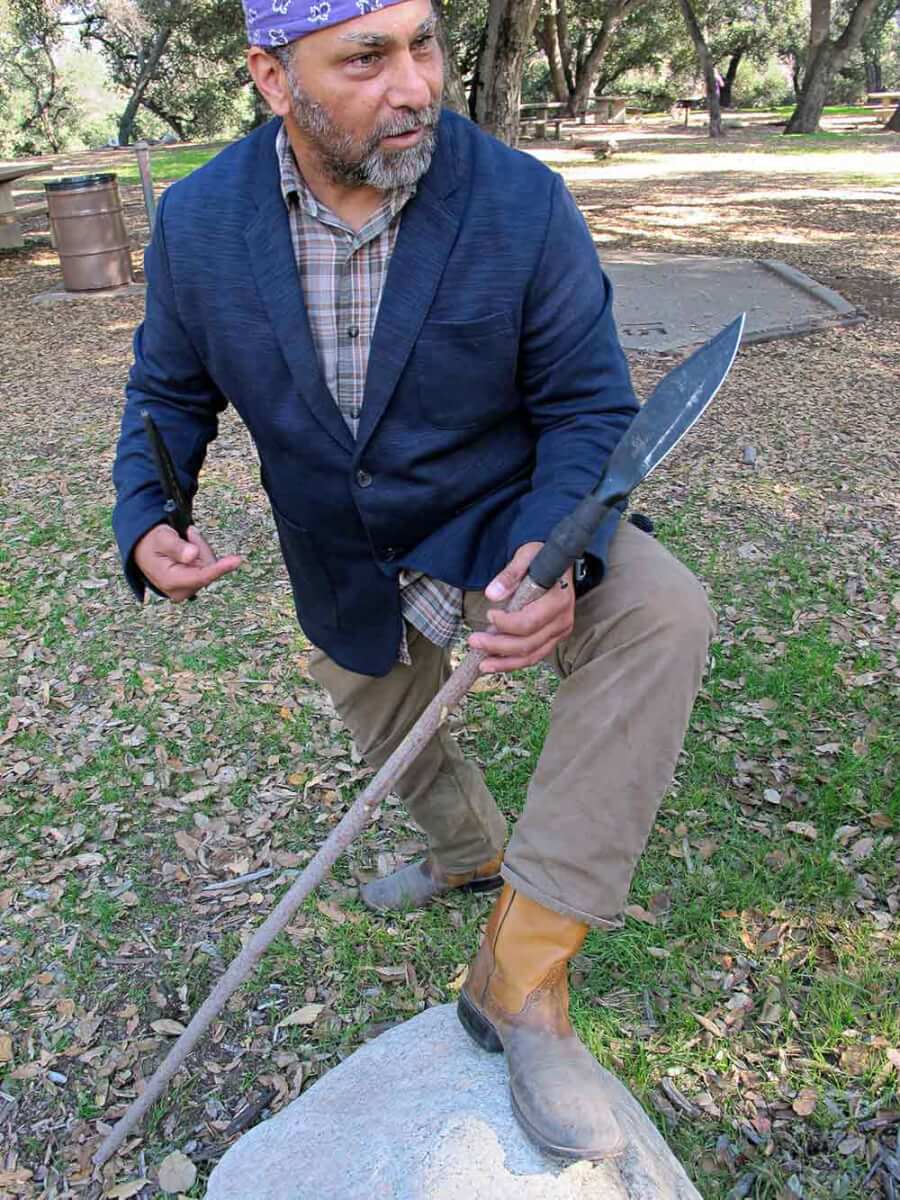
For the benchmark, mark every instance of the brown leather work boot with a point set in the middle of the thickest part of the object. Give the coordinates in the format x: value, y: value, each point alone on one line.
x: 417, y: 883
x: 516, y: 999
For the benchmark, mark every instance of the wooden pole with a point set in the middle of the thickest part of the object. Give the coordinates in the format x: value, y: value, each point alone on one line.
x: 142, y: 150
x: 351, y: 824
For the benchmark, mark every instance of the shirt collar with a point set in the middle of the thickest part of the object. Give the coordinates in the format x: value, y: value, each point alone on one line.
x: 294, y: 187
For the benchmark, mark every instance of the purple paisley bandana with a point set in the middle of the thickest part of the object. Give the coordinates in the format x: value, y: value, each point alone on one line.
x: 277, y: 22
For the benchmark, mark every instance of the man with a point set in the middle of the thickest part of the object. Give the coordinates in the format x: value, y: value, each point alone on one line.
x: 411, y: 320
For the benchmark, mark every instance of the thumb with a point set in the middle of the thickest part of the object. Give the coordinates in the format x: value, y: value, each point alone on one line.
x: 185, y: 552
x: 512, y: 574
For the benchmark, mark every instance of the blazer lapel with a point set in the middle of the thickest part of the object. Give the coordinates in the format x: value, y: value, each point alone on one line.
x: 428, y: 230
x: 275, y: 270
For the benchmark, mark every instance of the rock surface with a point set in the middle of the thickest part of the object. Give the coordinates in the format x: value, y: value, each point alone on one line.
x: 422, y: 1114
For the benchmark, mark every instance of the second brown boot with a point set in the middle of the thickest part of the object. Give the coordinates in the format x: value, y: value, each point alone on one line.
x: 516, y: 999
x: 418, y: 883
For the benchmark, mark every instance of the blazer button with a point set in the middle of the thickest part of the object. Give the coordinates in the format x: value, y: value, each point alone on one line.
x: 390, y: 554
x: 363, y: 478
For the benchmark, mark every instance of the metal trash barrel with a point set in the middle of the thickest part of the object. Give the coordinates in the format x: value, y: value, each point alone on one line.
x: 89, y: 231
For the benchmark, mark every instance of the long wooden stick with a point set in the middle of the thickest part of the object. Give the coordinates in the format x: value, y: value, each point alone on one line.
x: 351, y: 824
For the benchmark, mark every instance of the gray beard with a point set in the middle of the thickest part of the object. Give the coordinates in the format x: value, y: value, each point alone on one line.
x: 351, y: 164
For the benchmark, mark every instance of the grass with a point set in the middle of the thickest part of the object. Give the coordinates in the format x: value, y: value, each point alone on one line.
x: 830, y: 110
x: 124, y: 719
x: 639, y: 989
x: 712, y: 901
x: 166, y: 164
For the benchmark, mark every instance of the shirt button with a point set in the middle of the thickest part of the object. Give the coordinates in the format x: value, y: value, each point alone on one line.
x: 363, y: 478
x: 353, y: 331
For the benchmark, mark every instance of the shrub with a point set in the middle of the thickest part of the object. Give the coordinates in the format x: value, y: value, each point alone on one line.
x: 768, y: 87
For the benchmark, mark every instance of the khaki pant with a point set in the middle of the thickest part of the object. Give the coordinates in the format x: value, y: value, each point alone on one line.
x: 629, y: 674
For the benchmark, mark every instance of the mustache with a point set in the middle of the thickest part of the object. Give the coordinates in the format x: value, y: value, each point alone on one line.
x: 405, y: 123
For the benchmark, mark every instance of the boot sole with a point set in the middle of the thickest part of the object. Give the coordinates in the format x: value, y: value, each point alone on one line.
x: 478, y: 1027
x: 481, y: 885
x: 491, y: 884
x: 566, y: 1153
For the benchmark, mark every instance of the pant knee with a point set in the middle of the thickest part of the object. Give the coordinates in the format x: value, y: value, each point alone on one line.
x: 688, y: 613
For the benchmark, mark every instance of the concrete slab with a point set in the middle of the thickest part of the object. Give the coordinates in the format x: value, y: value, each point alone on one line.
x: 670, y: 301
x: 55, y: 295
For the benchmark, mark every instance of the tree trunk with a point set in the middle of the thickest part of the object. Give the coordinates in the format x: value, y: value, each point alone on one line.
x: 454, y: 90
x: 829, y: 57
x: 551, y: 47
x: 730, y: 76
x: 894, y: 123
x: 589, y: 69
x: 706, y: 66
x: 565, y: 46
x: 510, y: 30
x: 819, y: 25
x: 814, y: 92
x: 874, y: 78
x: 796, y: 81
x: 47, y: 108
x: 126, y: 121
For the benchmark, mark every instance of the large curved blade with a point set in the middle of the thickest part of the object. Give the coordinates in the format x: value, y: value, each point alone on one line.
x: 676, y: 404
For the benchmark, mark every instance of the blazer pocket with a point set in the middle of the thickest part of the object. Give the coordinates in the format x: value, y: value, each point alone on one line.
x: 314, y: 594
x: 466, y: 371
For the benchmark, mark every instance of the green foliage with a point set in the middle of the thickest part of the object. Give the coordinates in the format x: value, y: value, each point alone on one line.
x: 651, y: 40
x: 765, y: 87
x: 183, y: 63
x: 754, y: 28
x: 37, y: 112
x: 465, y: 21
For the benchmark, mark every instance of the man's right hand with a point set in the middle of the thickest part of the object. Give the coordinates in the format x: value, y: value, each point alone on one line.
x: 180, y: 568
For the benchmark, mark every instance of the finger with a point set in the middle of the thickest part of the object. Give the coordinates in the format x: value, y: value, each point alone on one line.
x: 497, y: 666
x: 553, y: 607
x: 206, y: 555
x: 504, y: 584
x: 162, y: 542
x: 222, y: 566
x: 185, y: 581
x: 176, y: 550
x: 505, y: 647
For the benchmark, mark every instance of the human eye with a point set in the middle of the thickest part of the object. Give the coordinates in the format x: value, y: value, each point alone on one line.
x: 365, y: 61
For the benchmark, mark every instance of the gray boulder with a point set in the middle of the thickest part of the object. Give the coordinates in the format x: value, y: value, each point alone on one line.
x: 422, y: 1114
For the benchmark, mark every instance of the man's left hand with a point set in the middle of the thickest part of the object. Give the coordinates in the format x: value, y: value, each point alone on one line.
x: 524, y: 638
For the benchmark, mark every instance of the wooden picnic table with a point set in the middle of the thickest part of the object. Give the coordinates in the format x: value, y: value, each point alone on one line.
x: 689, y: 104
x: 10, y: 230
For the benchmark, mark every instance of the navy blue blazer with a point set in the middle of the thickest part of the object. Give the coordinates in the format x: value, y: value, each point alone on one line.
x: 496, y: 385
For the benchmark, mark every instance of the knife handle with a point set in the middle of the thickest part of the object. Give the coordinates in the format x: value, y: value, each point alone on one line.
x: 175, y: 517
x: 568, y: 542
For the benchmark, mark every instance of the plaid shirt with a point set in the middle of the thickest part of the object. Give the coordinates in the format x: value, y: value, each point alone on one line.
x: 342, y: 273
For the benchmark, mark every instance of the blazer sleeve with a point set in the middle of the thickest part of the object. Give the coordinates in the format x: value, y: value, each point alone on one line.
x: 573, y: 376
x: 169, y: 379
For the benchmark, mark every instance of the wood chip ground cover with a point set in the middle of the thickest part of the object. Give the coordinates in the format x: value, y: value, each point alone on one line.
x: 147, y: 754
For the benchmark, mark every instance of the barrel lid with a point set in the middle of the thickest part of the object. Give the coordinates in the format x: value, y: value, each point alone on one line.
x: 74, y: 182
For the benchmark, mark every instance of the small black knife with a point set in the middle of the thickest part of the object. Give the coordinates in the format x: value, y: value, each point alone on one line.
x: 177, y: 509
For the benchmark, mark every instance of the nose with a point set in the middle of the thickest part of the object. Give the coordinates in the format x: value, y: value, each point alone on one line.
x: 410, y: 85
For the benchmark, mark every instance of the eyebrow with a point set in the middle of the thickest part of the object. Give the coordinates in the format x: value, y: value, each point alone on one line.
x: 429, y: 25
